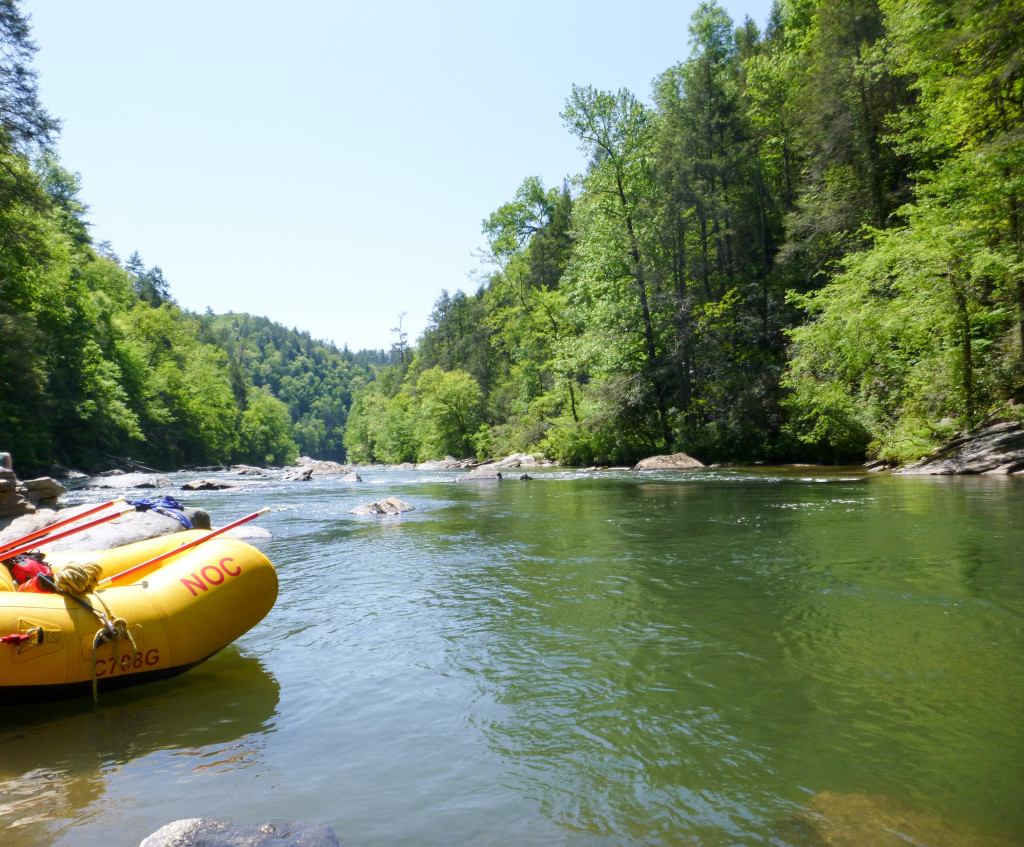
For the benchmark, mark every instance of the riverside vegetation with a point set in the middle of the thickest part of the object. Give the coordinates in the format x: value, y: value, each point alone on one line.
x: 809, y: 245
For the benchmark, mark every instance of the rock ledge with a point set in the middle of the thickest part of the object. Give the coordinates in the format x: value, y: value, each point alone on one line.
x: 995, y: 449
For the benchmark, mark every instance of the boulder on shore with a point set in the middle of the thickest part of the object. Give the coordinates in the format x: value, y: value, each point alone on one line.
x: 995, y: 449
x: 673, y: 462
x: 22, y: 497
x: 388, y: 506
x: 193, y: 832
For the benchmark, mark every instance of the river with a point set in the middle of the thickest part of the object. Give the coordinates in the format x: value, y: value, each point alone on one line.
x: 791, y: 657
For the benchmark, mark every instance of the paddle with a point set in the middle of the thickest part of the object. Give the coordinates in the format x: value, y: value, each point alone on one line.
x: 184, y: 547
x: 46, y: 530
x: 10, y: 554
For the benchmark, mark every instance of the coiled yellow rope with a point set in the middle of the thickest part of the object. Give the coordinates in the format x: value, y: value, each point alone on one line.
x: 77, y: 578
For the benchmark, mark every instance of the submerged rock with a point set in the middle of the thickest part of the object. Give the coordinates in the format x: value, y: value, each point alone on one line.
x: 673, y: 462
x: 205, y: 832
x: 388, y: 506
x: 865, y: 820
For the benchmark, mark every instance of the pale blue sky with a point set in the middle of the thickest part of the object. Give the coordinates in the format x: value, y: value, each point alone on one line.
x: 328, y: 164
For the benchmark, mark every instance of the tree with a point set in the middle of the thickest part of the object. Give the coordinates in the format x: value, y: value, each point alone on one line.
x: 24, y: 124
x: 616, y: 131
x: 449, y: 412
x: 266, y: 430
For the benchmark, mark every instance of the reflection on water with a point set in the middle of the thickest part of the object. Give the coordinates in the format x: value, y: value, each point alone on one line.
x: 59, y: 759
x: 714, y: 658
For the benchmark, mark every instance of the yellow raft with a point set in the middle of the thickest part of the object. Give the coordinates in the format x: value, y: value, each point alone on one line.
x: 157, y: 622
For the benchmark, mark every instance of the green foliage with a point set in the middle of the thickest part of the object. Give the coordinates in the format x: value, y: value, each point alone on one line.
x: 314, y: 379
x: 266, y: 430
x: 449, y: 413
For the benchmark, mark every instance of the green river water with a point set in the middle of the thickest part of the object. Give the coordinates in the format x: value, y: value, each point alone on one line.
x: 788, y: 657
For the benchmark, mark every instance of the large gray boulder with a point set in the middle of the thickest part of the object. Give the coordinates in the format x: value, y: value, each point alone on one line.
x: 996, y: 449
x: 130, y: 527
x: 204, y: 832
x: 22, y: 497
x: 43, y: 491
x: 673, y: 462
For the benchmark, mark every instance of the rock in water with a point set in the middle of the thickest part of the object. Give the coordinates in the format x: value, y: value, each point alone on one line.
x: 674, y: 462
x: 388, y: 506
x: 322, y: 467
x: 208, y: 485
x: 863, y: 820
x: 483, y: 473
x: 129, y: 480
x: 21, y: 497
x: 448, y: 463
x: 204, y: 832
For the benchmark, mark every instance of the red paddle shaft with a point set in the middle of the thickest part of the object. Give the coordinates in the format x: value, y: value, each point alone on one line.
x: 46, y: 530
x: 184, y: 547
x: 10, y: 554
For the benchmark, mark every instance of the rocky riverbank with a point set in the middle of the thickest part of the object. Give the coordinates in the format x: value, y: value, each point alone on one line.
x: 997, y: 449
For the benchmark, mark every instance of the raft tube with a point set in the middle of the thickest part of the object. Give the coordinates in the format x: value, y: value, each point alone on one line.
x: 178, y: 613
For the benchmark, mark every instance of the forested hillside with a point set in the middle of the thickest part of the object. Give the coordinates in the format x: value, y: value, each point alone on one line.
x: 312, y: 378
x: 98, y: 363
x: 810, y: 246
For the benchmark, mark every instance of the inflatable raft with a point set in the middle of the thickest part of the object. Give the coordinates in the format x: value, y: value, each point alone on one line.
x: 139, y: 625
